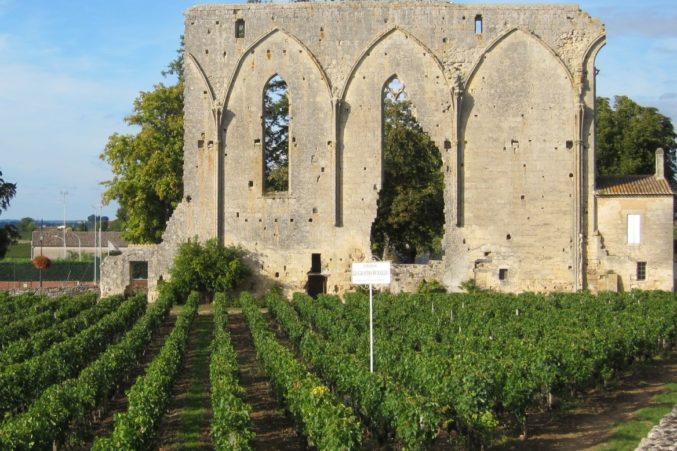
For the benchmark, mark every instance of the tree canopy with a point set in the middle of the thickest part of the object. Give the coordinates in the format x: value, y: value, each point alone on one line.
x: 207, y: 268
x: 628, y: 135
x: 410, y: 214
x: 276, y: 135
x: 148, y: 166
x: 8, y: 233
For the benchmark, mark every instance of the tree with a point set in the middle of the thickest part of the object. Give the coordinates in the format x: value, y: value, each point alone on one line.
x: 628, y: 135
x: 207, y: 268
x: 8, y: 233
x: 410, y: 213
x: 148, y: 166
x: 276, y: 135
x: 27, y: 225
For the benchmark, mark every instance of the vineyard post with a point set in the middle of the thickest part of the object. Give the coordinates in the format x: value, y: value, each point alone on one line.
x: 368, y: 274
x: 371, y: 329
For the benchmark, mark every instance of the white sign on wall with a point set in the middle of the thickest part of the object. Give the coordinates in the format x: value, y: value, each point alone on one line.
x: 369, y: 273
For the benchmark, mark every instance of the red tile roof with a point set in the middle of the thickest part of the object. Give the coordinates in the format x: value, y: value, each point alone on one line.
x: 632, y: 185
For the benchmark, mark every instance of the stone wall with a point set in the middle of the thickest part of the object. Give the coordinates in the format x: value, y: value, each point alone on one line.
x: 506, y: 92
x: 615, y: 255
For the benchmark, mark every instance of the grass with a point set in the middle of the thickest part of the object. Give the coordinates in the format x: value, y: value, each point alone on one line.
x: 627, y: 434
x: 19, y: 250
x: 192, y: 411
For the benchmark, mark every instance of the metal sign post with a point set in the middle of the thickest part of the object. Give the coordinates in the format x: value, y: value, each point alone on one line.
x: 369, y: 274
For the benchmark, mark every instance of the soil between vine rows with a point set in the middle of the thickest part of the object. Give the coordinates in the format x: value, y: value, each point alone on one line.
x: 273, y: 428
x: 187, y: 422
x: 589, y: 424
x: 118, y: 403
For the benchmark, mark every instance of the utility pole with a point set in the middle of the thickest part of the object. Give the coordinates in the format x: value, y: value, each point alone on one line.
x: 64, y: 194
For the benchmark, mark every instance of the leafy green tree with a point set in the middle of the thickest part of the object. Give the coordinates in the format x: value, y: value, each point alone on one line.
x: 276, y: 135
x: 27, y: 225
x: 628, y: 135
x: 8, y: 233
x: 410, y: 214
x: 147, y: 166
x: 207, y: 268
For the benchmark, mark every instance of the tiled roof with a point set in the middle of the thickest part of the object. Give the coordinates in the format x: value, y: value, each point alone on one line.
x: 632, y: 185
x: 52, y: 237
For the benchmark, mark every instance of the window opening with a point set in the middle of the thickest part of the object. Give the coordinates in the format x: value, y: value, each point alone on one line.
x: 634, y: 229
x: 478, y: 24
x: 409, y: 223
x: 239, y: 28
x: 502, y: 274
x: 138, y: 270
x: 317, y: 282
x: 316, y: 263
x: 276, y: 135
x: 641, y: 270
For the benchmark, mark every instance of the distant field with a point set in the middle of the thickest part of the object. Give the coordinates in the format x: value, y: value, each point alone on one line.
x: 20, y: 250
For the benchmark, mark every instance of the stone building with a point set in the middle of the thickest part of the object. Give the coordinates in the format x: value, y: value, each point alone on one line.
x: 506, y: 92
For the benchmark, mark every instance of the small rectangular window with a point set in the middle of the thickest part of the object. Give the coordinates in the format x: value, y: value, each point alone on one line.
x: 641, y: 270
x: 239, y: 28
x: 478, y: 24
x: 633, y: 229
x: 503, y: 274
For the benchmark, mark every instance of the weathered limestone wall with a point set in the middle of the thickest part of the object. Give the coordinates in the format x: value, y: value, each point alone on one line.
x: 655, y: 247
x: 506, y: 107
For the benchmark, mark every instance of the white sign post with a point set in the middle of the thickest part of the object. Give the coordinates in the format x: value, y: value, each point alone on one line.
x: 368, y: 274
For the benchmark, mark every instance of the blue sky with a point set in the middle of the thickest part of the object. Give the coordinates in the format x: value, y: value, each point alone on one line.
x: 70, y: 70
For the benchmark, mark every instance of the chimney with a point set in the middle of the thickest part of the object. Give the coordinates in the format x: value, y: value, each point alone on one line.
x: 660, y: 164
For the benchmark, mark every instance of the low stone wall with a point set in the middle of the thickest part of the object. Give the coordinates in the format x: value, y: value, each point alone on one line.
x: 53, y: 291
x: 406, y: 278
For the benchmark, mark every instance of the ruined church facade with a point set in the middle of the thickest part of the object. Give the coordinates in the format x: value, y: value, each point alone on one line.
x: 505, y: 92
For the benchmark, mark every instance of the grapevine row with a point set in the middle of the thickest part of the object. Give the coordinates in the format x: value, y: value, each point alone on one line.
x: 47, y: 419
x: 385, y: 404
x: 510, y: 351
x: 326, y: 423
x: 37, y: 343
x: 21, y: 383
x: 231, y: 426
x: 67, y: 307
x: 149, y: 396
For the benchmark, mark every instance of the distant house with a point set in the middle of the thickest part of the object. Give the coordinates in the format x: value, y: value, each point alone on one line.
x: 634, y: 231
x: 50, y: 243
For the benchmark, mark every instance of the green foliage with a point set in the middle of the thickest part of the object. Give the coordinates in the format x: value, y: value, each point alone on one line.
x: 150, y: 395
x: 389, y: 407
x: 231, y: 427
x: 8, y: 234
x: 207, y: 268
x: 40, y: 341
x: 147, y: 167
x: 428, y: 287
x: 326, y: 423
x: 62, y: 405
x: 276, y: 135
x: 410, y: 214
x: 628, y: 135
x: 470, y: 286
x: 487, y: 357
x: 21, y: 383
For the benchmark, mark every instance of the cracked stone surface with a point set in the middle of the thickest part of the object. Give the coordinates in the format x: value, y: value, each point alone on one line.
x: 663, y: 436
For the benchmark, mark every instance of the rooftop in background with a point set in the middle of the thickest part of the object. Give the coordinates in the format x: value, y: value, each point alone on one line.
x: 633, y: 185
x: 53, y: 237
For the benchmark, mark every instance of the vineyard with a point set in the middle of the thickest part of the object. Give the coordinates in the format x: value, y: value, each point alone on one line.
x: 452, y: 371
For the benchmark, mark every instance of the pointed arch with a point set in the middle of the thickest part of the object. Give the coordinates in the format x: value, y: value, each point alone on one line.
x: 193, y: 62
x: 499, y: 39
x: 376, y: 41
x: 593, y: 49
x: 225, y: 95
